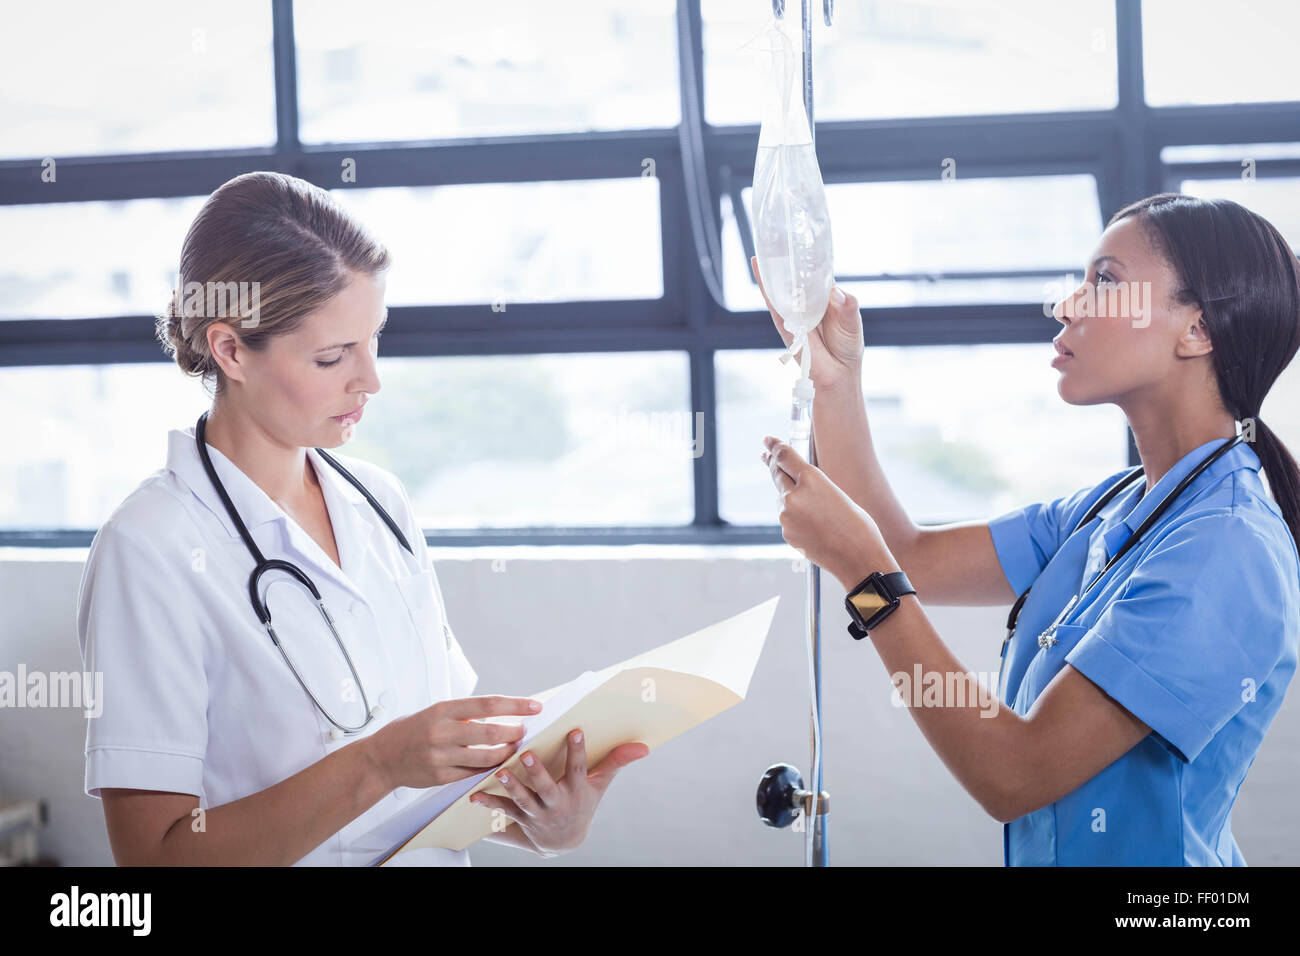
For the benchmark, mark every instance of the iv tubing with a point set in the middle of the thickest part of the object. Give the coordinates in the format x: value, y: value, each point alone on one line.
x: 801, y: 440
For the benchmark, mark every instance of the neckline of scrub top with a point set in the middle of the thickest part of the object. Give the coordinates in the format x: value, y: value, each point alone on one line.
x: 1242, y: 456
x: 256, y: 507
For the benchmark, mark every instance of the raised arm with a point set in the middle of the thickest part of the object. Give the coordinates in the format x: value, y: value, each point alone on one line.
x: 947, y: 564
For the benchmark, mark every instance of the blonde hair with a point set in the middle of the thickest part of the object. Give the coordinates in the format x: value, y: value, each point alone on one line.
x: 287, y: 240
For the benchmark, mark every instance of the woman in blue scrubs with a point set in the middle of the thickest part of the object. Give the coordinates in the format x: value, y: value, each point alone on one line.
x: 1123, y: 735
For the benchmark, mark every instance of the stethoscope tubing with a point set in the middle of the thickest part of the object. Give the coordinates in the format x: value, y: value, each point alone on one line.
x: 261, y: 565
x: 1131, y: 541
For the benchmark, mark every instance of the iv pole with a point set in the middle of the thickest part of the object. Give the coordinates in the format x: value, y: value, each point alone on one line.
x: 781, y: 794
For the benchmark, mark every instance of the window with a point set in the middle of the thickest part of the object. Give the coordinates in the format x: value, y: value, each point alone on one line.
x: 517, y: 242
x: 1199, y: 51
x: 388, y: 70
x: 479, y: 442
x: 900, y: 243
x: 947, y: 458
x: 79, y: 79
x: 1277, y: 199
x: 59, y: 470
x: 91, y: 259
x: 559, y: 363
x: 912, y: 58
x: 536, y: 440
x: 1229, y: 152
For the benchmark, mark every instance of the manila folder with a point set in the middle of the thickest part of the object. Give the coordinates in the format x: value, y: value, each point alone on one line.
x: 649, y: 699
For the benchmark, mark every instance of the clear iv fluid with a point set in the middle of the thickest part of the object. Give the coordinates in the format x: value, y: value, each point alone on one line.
x: 801, y: 427
x: 792, y: 234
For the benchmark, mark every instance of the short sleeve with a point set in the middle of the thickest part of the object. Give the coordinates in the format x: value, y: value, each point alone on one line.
x: 141, y: 640
x: 1201, y: 617
x: 462, y: 676
x: 1026, y: 539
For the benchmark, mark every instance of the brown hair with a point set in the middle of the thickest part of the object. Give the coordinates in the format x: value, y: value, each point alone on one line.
x: 283, y: 238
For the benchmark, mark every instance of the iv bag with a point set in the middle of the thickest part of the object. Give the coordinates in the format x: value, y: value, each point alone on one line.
x: 790, y: 221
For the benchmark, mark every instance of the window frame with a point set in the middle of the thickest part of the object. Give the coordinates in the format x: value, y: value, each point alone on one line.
x: 1120, y: 147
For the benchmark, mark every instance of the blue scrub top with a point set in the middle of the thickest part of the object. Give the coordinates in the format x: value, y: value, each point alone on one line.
x: 1194, y: 631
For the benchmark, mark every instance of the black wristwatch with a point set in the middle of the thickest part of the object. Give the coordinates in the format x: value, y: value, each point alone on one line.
x: 874, y: 600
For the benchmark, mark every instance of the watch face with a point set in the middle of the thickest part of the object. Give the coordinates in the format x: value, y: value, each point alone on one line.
x: 869, y: 602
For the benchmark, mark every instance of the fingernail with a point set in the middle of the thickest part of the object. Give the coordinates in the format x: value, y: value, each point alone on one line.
x: 534, y: 706
x: 528, y: 760
x: 503, y: 777
x: 577, y: 736
x: 837, y: 295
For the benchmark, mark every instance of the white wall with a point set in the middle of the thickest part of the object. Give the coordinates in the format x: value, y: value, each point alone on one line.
x: 550, y: 613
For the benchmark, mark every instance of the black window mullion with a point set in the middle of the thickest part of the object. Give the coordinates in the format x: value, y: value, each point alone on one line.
x: 286, y: 77
x: 704, y: 404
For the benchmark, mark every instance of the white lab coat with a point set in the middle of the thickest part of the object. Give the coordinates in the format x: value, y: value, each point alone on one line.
x: 196, y: 697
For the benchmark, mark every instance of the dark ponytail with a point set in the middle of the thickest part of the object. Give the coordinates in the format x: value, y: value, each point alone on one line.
x: 1281, y: 470
x: 1244, y: 277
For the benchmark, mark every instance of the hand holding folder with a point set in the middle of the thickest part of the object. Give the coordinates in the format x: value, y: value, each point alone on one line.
x: 649, y: 698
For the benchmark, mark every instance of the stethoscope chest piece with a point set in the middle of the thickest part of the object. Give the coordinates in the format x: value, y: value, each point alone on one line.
x: 1048, y: 637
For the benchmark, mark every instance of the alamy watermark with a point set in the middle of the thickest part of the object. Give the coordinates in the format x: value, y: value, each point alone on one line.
x: 217, y: 300
x: 1119, y: 300
x: 129, y: 910
x: 55, y: 689
x: 944, y: 689
x: 673, y: 432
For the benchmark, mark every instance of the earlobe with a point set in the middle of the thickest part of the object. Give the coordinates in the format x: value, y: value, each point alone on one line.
x: 1199, y: 336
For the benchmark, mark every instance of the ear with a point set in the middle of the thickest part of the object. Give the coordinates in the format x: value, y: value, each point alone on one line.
x: 226, y: 352
x: 1195, y: 339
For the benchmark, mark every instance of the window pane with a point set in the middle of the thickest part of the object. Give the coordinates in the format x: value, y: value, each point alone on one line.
x: 1033, y: 222
x: 1276, y: 198
x: 1199, y: 51
x: 57, y: 470
x: 948, y: 458
x: 920, y: 58
x: 496, y: 441
x: 81, y: 78
x: 525, y: 242
x: 509, y: 441
x: 517, y: 242
x: 388, y: 70
x: 89, y: 259
x: 1229, y: 152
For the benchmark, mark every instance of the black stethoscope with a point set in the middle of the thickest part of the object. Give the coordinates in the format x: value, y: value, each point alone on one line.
x: 1047, y: 638
x: 263, y: 565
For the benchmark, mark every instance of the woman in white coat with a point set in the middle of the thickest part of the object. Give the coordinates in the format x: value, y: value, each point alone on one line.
x: 210, y: 748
